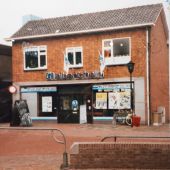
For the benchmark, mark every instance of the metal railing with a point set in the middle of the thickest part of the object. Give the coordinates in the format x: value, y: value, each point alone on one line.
x: 115, y: 137
x: 65, y: 155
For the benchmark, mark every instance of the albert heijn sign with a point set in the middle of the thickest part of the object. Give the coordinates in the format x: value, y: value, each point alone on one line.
x: 74, y: 76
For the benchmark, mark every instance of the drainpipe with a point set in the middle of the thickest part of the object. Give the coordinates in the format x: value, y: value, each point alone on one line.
x: 148, y: 45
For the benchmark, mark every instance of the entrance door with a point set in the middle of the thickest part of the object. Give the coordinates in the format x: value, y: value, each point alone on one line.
x: 69, y: 108
x: 48, y: 104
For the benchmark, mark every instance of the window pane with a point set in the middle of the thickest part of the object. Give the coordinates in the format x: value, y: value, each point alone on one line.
x: 70, y: 57
x: 121, y: 47
x: 31, y: 59
x: 107, y: 53
x: 78, y: 58
x: 42, y: 61
x: 107, y: 43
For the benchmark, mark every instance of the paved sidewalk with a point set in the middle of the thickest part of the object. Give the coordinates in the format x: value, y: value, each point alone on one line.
x: 37, y: 150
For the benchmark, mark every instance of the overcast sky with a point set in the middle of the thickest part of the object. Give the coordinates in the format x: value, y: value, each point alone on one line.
x: 11, y: 11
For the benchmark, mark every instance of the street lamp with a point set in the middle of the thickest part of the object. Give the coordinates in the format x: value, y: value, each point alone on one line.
x: 130, y: 66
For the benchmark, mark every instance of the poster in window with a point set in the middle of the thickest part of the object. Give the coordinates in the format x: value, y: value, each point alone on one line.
x: 66, y: 104
x: 47, y: 104
x: 119, y: 100
x: 101, y: 100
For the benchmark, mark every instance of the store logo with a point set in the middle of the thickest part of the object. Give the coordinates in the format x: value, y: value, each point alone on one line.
x: 74, y: 105
x: 75, y: 76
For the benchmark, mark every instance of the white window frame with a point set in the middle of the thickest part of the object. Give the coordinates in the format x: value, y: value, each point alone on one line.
x: 113, y: 60
x: 38, y: 48
x: 74, y: 50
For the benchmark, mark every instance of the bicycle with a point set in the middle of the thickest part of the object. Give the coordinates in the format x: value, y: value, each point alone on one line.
x: 122, y: 117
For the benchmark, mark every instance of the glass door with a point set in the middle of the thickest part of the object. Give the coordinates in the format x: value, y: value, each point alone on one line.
x: 69, y: 108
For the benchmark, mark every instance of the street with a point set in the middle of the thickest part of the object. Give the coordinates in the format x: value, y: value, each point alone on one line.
x: 36, y: 149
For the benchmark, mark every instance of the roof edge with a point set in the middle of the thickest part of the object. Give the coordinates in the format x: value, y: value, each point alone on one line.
x: 79, y: 32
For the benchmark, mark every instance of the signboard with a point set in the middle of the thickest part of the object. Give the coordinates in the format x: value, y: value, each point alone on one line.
x: 112, y: 87
x: 75, y: 76
x: 83, y: 114
x: 74, y: 105
x: 47, y: 104
x: 24, y: 115
x: 21, y: 106
x: 101, y: 100
x: 38, y: 89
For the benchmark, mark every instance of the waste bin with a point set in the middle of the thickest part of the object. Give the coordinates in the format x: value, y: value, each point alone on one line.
x: 157, y: 118
x: 136, y: 120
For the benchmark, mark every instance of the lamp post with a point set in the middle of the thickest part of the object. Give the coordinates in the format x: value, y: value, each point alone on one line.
x: 130, y: 66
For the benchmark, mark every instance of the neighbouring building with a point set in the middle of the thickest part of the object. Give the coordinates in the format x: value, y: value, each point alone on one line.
x: 64, y: 65
x: 30, y: 17
x: 5, y: 82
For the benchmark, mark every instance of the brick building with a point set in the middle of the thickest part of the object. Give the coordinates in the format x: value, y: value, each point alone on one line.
x: 62, y: 65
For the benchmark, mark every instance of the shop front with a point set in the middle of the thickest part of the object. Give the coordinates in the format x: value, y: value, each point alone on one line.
x: 65, y: 102
x: 108, y: 98
x: 83, y: 101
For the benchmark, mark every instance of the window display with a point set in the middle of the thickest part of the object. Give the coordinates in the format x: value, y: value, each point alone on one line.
x: 101, y: 100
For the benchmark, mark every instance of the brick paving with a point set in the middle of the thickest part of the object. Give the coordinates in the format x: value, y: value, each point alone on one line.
x: 37, y: 150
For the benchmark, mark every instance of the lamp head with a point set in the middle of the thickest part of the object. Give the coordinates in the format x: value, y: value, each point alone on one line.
x: 130, y: 66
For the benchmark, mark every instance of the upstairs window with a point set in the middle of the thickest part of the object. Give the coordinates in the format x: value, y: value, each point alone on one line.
x: 35, y: 58
x: 116, y: 51
x: 75, y: 57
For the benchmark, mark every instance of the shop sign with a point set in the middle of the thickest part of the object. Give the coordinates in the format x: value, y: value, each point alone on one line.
x: 74, y: 76
x: 74, y: 105
x: 111, y: 87
x: 38, y: 89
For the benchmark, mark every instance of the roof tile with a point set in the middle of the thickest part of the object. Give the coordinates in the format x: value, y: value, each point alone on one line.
x: 99, y: 20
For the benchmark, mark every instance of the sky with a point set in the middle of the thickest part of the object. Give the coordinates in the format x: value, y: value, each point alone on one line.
x: 12, y: 11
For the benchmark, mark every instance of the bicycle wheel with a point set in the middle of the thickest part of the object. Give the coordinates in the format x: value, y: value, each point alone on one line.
x: 129, y: 121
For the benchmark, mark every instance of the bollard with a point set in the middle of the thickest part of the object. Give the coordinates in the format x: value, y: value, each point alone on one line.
x: 65, y: 159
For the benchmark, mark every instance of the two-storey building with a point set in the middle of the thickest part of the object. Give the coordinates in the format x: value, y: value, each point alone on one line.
x: 62, y: 65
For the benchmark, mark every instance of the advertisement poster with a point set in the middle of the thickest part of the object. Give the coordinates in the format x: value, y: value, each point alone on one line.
x: 101, y: 100
x: 47, y: 104
x: 119, y: 100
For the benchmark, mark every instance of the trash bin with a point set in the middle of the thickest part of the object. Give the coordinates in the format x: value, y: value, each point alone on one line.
x: 136, y: 120
x: 157, y: 118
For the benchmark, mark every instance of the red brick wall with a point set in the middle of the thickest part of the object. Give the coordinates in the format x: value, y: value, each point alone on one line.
x: 91, y: 45
x: 119, y: 155
x: 159, y: 68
